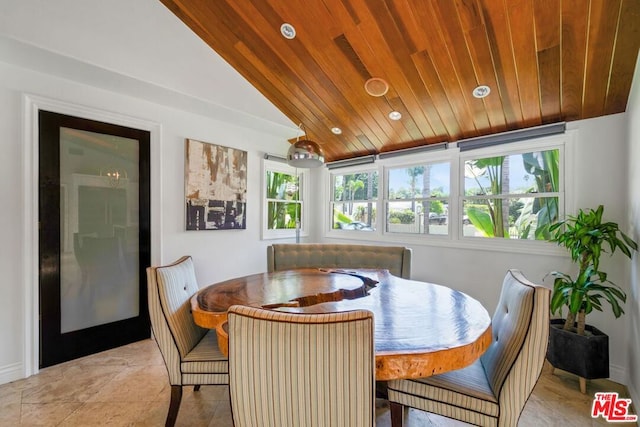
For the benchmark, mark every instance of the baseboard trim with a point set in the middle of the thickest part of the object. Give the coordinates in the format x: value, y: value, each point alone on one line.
x: 618, y: 374
x: 11, y: 372
x: 635, y: 398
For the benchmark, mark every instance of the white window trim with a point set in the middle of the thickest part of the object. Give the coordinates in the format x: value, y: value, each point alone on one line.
x: 565, y: 142
x: 303, y: 174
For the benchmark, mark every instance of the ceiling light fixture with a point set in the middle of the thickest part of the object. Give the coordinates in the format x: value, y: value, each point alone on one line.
x: 376, y: 86
x: 481, y: 91
x: 305, y: 153
x: 288, y: 31
x: 336, y: 130
x: 395, y: 115
x: 114, y: 176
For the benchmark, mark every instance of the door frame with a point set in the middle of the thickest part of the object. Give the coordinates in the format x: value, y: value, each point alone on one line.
x: 30, y: 166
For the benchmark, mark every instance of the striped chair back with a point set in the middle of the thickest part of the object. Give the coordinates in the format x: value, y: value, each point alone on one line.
x: 169, y: 292
x: 514, y: 360
x: 295, y: 370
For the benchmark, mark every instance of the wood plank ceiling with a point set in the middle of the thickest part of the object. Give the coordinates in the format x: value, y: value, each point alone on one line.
x: 544, y: 60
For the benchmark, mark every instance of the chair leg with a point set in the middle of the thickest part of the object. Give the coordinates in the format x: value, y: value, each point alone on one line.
x: 381, y: 390
x: 196, y: 387
x: 176, y: 397
x: 397, y: 411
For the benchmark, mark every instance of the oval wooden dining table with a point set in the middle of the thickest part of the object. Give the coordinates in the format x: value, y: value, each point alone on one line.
x: 421, y: 329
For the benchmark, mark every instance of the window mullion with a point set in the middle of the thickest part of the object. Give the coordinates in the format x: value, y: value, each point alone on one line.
x: 512, y: 196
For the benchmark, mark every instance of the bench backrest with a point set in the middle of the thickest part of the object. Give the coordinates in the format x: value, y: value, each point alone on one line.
x: 396, y: 259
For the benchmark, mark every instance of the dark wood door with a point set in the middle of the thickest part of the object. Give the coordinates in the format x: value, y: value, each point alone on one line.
x: 94, y: 238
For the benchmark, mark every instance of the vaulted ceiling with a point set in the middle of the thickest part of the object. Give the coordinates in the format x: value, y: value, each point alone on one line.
x: 544, y: 61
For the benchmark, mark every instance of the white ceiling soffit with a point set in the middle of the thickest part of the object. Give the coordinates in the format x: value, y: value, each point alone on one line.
x: 140, y: 40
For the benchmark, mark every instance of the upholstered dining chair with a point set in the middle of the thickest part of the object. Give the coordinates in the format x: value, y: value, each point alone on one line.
x: 292, y: 370
x: 493, y: 390
x: 190, y: 352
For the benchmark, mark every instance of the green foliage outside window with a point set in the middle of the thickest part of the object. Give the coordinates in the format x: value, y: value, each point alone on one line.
x: 501, y: 203
x: 354, y: 197
x: 418, y: 198
x: 284, y: 204
x: 402, y: 217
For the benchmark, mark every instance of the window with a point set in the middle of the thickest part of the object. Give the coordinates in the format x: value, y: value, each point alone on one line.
x: 502, y: 197
x: 418, y: 199
x: 511, y: 195
x: 354, y: 201
x: 283, y: 191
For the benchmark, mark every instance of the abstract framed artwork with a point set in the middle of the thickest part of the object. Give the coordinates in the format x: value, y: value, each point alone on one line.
x: 215, y: 186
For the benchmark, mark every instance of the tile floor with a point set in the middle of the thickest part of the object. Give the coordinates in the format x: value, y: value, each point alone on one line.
x: 128, y: 386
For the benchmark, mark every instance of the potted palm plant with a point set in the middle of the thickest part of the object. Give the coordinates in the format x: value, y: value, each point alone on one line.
x: 575, y: 346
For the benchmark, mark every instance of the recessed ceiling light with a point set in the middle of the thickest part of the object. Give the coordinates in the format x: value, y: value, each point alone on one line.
x: 336, y: 130
x: 395, y: 115
x: 481, y: 91
x: 287, y: 31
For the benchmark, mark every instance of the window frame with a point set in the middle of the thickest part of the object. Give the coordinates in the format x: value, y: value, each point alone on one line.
x: 529, y: 146
x: 418, y: 161
x: 353, y: 234
x: 565, y: 142
x: 303, y: 191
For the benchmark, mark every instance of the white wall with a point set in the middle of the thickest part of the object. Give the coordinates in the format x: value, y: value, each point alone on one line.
x: 218, y: 255
x: 633, y: 142
x: 600, y: 171
x: 11, y: 285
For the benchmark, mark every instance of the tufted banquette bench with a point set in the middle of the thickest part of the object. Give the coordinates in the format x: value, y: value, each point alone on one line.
x: 396, y: 259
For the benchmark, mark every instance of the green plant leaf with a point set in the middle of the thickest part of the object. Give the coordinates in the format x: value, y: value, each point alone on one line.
x: 587, y: 237
x: 575, y: 301
x: 481, y: 220
x: 629, y: 242
x: 556, y: 306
